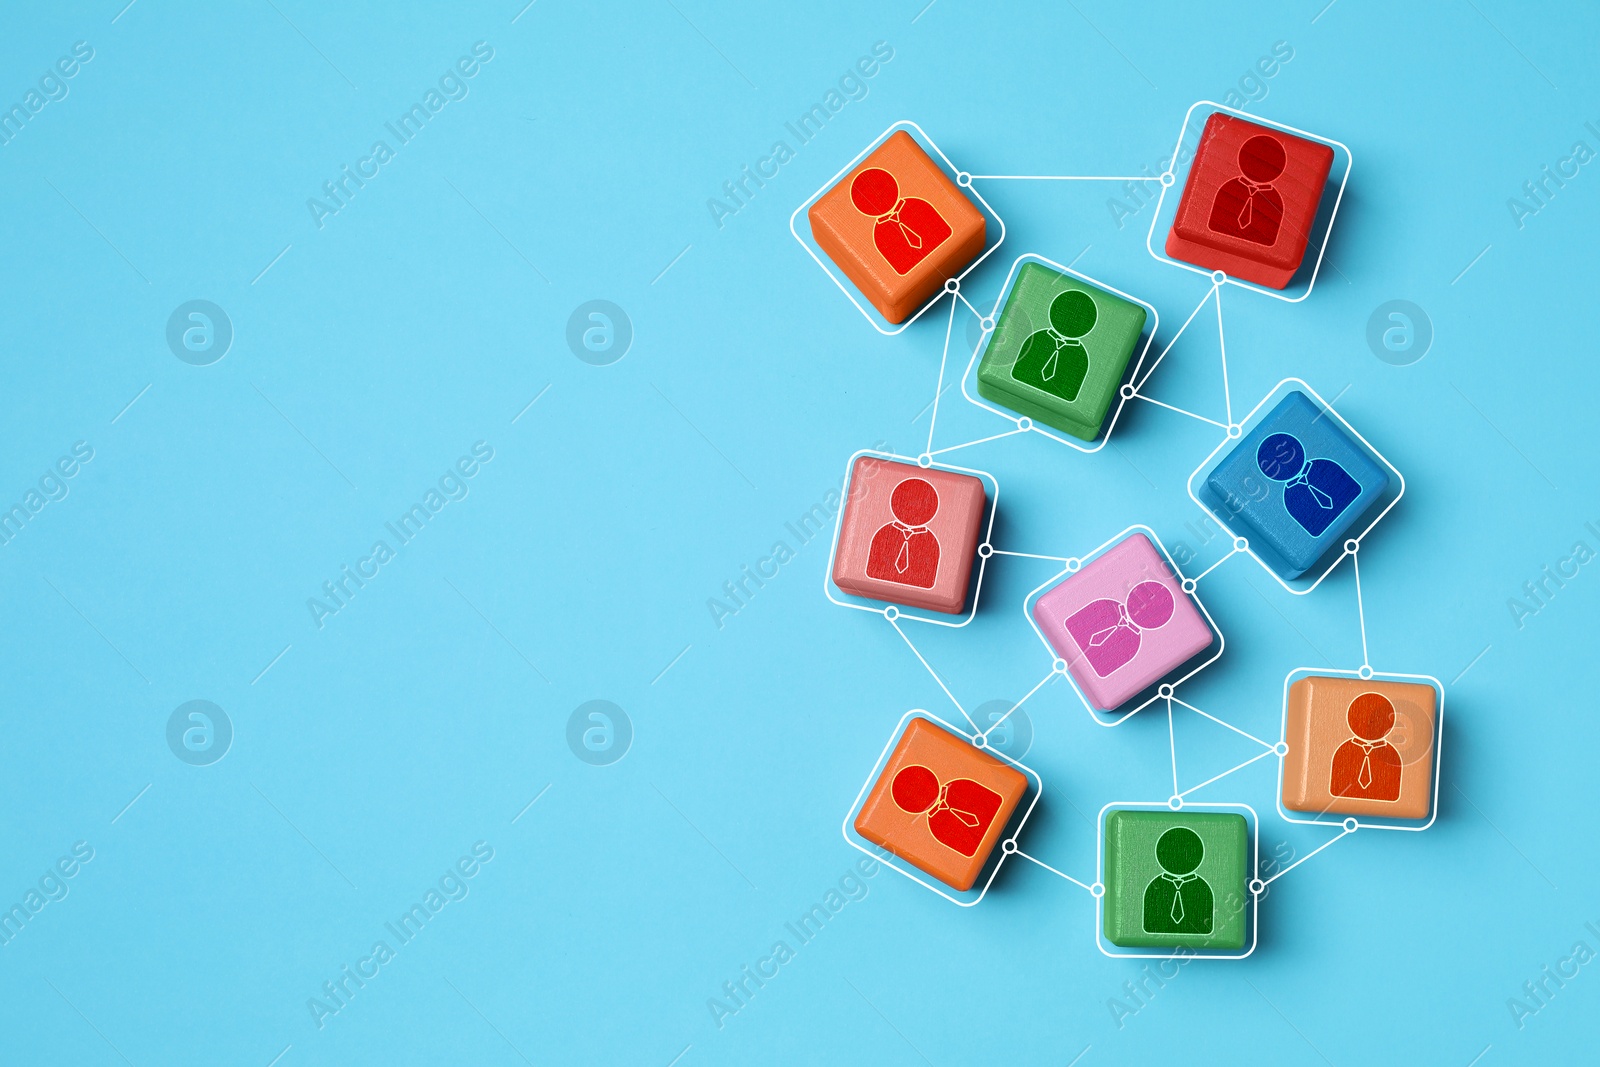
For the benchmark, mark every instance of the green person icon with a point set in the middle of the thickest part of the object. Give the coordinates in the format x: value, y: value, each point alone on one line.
x: 1054, y: 359
x: 1178, y: 901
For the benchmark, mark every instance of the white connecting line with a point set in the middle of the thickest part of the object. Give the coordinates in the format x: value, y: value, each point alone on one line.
x: 1344, y: 833
x: 933, y: 672
x: 1361, y: 610
x: 1052, y: 870
x: 996, y: 724
x: 1214, y: 293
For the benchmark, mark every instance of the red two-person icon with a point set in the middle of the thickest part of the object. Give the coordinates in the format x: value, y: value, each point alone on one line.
x: 1367, y: 765
x: 905, y: 551
x: 959, y: 811
x: 908, y: 227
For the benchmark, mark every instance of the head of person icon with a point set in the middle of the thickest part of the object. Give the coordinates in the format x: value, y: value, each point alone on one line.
x: 1281, y: 457
x: 1261, y: 159
x: 915, y: 789
x: 1371, y: 716
x: 1179, y: 851
x: 1073, y: 314
x: 874, y: 192
x: 914, y: 502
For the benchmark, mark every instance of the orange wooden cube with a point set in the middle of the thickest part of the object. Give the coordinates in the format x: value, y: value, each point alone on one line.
x: 941, y: 803
x: 1359, y: 747
x: 898, y: 227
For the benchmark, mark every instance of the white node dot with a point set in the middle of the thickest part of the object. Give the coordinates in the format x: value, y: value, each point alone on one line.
x: 1281, y: 748
x: 963, y: 179
x: 925, y: 460
x: 891, y: 613
x: 1218, y: 277
x: 1235, y: 430
x: 1256, y: 886
x: 980, y: 742
x: 985, y: 550
x: 1073, y: 564
x: 951, y: 285
x: 986, y: 325
x: 1097, y: 890
x: 1167, y: 178
x: 1365, y: 672
x: 1352, y: 546
x: 1127, y: 392
x: 1165, y: 692
x: 1024, y: 423
x: 1175, y: 803
x: 1188, y: 585
x: 1009, y: 845
x: 1059, y: 666
x: 1350, y: 825
x: 1240, y: 544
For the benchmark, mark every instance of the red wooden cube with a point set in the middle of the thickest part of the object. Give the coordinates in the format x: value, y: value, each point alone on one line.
x: 1250, y: 201
x: 909, y: 534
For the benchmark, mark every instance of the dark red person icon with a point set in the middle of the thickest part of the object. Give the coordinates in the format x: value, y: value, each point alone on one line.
x: 1366, y: 765
x: 905, y: 550
x: 908, y: 227
x: 1248, y: 206
x: 959, y: 812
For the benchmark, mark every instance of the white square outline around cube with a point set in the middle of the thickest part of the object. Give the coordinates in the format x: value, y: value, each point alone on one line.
x: 1327, y: 409
x: 889, y: 859
x: 994, y: 318
x: 1162, y: 257
x: 838, y: 524
x: 957, y: 173
x: 1100, y: 874
x: 1438, y: 749
x: 1073, y: 566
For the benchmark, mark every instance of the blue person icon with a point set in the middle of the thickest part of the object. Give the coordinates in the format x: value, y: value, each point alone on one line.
x: 1318, y: 490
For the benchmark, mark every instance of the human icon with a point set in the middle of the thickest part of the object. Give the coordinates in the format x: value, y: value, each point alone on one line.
x: 1054, y: 359
x: 1319, y: 490
x: 1367, y: 765
x: 1109, y: 630
x: 1248, y: 206
x: 1178, y: 901
x: 908, y: 227
x: 959, y: 811
x: 904, y: 550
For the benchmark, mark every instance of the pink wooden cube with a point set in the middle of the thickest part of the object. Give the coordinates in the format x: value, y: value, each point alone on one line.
x: 1122, y: 623
x: 909, y: 534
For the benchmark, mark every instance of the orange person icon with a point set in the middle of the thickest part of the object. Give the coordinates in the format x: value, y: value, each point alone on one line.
x: 1367, y: 765
x: 908, y: 227
x: 1248, y: 206
x: 905, y: 550
x: 959, y: 812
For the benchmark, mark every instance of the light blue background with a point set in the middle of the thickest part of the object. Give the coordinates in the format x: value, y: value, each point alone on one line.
x: 426, y: 715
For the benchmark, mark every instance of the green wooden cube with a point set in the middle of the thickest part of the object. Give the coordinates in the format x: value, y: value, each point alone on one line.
x: 1176, y: 879
x: 1059, y: 349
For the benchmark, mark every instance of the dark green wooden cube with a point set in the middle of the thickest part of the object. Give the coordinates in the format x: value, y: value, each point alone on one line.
x: 1059, y: 350
x: 1176, y: 879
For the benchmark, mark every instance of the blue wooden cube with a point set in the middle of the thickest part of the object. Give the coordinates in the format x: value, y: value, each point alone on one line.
x: 1294, y: 485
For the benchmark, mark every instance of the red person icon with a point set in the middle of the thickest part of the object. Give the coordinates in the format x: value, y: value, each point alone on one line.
x: 1248, y: 206
x: 908, y: 227
x: 905, y: 550
x: 1366, y: 765
x: 959, y: 812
